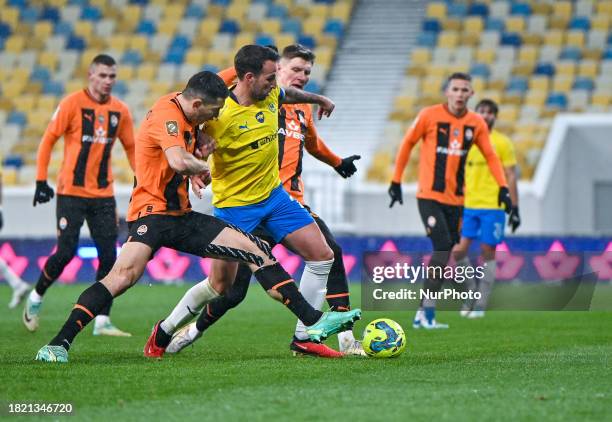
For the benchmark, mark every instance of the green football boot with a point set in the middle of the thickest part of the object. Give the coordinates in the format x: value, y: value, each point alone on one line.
x: 52, y: 354
x: 332, y: 323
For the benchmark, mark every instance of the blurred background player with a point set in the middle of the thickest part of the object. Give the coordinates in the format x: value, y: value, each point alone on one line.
x: 20, y: 287
x: 160, y: 215
x: 296, y: 131
x: 483, y: 217
x: 90, y: 121
x: 448, y: 131
x: 247, y: 189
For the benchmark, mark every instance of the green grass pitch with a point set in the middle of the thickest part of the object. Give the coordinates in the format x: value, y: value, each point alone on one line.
x: 508, y: 366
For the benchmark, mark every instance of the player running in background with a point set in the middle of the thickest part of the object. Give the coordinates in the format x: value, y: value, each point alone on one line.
x: 247, y: 190
x: 20, y: 287
x: 160, y: 215
x: 483, y: 218
x: 448, y: 131
x: 296, y: 131
x: 90, y: 121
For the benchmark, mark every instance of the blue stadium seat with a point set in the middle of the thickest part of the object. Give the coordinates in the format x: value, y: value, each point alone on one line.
x: 175, y: 55
x: 292, y: 26
x: 511, y: 38
x: 571, y: 53
x: 132, y: 57
x: 194, y: 11
x: 210, y: 68
x: 478, y: 9
x: 120, y: 89
x: 75, y: 43
x: 607, y: 55
x: 5, y: 30
x: 181, y: 41
x: 556, y: 100
x: 17, y: 118
x: 91, y: 13
x: 457, y: 10
x: 19, y: 4
x: 146, y: 27
x: 51, y: 87
x: 313, y: 86
x: 580, y: 22
x: 50, y: 13
x: 79, y: 2
x: 63, y: 28
x: 325, y: 1
x: 277, y: 11
x: 307, y: 41
x: 517, y: 84
x: 432, y: 25
x: 495, y: 24
x: 140, y: 2
x: 584, y: 83
x: 334, y: 27
x: 267, y: 2
x: 29, y: 15
x: 229, y: 26
x: 264, y: 39
x: 544, y: 69
x: 480, y: 69
x: 610, y: 38
x: 40, y: 74
x: 427, y: 39
x: 521, y: 9
x: 223, y: 3
x: 13, y: 160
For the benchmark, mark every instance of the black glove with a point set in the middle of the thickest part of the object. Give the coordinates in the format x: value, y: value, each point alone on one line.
x: 44, y: 192
x: 346, y: 168
x: 1, y: 220
x: 395, y: 192
x: 504, y: 198
x: 514, y: 220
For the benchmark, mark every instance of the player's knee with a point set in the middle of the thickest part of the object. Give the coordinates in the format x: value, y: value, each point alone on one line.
x: 322, y: 254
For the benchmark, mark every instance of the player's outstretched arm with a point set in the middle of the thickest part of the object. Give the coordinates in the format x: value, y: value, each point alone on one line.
x: 184, y: 162
x: 297, y: 96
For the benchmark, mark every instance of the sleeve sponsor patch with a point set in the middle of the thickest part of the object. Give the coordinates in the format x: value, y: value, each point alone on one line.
x: 172, y: 127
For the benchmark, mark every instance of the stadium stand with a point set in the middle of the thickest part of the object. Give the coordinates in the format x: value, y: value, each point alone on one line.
x: 536, y: 58
x: 45, y: 49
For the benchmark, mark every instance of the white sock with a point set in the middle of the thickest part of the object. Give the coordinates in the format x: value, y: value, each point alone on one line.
x: 102, y: 320
x: 486, y: 285
x: 35, y: 297
x: 9, y: 275
x: 345, y: 339
x: 313, y: 287
x: 189, y: 306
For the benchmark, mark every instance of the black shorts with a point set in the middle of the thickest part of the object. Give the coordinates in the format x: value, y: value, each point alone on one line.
x: 190, y: 233
x: 73, y: 211
x: 442, y: 223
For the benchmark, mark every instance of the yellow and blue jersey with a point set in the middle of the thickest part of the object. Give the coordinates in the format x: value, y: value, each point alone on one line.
x: 481, y: 189
x: 244, y: 167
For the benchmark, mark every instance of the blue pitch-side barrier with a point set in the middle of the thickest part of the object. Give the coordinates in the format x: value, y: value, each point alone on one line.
x: 524, y: 258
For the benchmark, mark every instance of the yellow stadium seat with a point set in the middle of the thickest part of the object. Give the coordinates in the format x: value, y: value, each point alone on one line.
x: 562, y: 8
x: 558, y: 22
x: 496, y: 84
x: 13, y: 89
x: 485, y: 55
x: 125, y: 73
x: 575, y: 38
x: 236, y: 11
x: 243, y: 38
x: 451, y: 24
x: 298, y: 11
x: 131, y: 13
x: 535, y: 98
x: 554, y: 38
x: 588, y: 68
x: 43, y: 29
x: 209, y: 27
x: 83, y: 29
x: 10, y: 176
x: 167, y: 26
x: 118, y: 42
x: 14, y: 44
x: 10, y: 15
x: 436, y: 10
x: 250, y: 26
x: 25, y: 103
x: 539, y: 83
x: 313, y: 26
x: 404, y: 102
x: 562, y: 83
x: 604, y: 7
x: 600, y: 23
x: 284, y: 39
x: 271, y: 26
x: 531, y: 39
x: 48, y: 59
x: 437, y: 70
x: 341, y: 11
x: 420, y: 56
x: 326, y: 40
x: 195, y: 56
x: 508, y: 113
x: 217, y: 58
x: 600, y: 99
x: 528, y: 54
x: 591, y: 54
x: 432, y: 85
x: 159, y: 88
x: 448, y: 39
x: 473, y: 24
x: 324, y: 57
x: 478, y: 84
x: 515, y: 24
x: 176, y: 11
x: 492, y: 95
x: 138, y: 42
x: 318, y: 10
x: 39, y: 119
x: 522, y: 69
x: 565, y: 68
x: 74, y: 85
x: 540, y: 8
x: 215, y: 11
x: 46, y: 103
x: 146, y: 72
x: 470, y: 39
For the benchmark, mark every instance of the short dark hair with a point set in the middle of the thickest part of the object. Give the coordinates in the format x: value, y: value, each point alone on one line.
x: 207, y: 86
x: 104, y: 59
x: 457, y: 75
x: 272, y: 47
x: 298, y: 50
x: 251, y: 58
x: 486, y: 102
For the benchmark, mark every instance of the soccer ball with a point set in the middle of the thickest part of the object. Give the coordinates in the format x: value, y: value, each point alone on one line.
x: 384, y: 338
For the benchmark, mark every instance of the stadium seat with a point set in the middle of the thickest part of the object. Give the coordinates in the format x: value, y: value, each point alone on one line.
x: 556, y: 100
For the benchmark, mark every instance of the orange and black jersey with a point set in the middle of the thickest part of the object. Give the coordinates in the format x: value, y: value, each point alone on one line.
x: 296, y: 131
x: 159, y: 189
x: 90, y: 129
x: 446, y: 142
